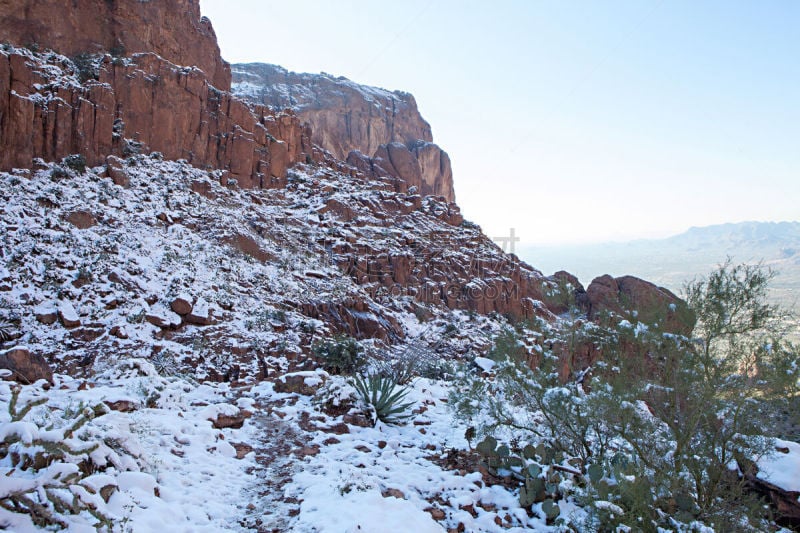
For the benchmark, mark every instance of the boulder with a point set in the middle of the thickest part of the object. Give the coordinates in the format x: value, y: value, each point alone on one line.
x: 182, y: 305
x: 201, y: 314
x: 234, y: 420
x: 24, y: 366
x: 248, y: 246
x: 116, y: 171
x: 123, y: 406
x: 81, y: 219
x: 162, y: 317
x: 636, y: 299
x: 46, y: 312
x: 305, y: 383
x: 67, y: 314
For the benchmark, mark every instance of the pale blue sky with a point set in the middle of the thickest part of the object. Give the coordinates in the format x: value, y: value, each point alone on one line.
x: 571, y: 121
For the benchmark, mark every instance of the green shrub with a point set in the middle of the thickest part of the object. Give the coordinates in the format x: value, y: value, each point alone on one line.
x: 656, y: 424
x: 58, y: 173
x: 340, y: 355
x: 75, y: 162
x: 383, y: 396
x: 86, y: 67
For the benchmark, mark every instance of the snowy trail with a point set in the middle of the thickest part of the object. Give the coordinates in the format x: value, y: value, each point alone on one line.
x: 270, y: 511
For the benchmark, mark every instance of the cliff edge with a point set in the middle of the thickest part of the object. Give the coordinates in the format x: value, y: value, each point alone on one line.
x: 380, y: 132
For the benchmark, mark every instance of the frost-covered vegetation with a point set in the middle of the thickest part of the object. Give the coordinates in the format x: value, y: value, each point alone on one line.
x: 662, y: 432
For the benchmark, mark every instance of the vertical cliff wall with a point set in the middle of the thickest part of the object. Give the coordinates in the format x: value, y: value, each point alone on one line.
x: 173, y: 29
x: 167, y: 99
x: 381, y: 132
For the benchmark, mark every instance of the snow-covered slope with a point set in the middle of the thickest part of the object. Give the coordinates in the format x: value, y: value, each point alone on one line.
x: 170, y: 300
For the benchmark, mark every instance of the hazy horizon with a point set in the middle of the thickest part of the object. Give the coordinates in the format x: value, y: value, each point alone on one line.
x: 570, y: 123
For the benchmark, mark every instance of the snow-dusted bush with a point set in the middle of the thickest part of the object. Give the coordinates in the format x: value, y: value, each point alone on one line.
x: 341, y: 355
x: 659, y: 425
x: 52, y: 461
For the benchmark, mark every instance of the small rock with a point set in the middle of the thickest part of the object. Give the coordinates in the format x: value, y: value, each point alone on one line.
x: 394, y: 493
x: 123, y: 406
x: 25, y: 367
x: 87, y: 334
x: 436, y: 513
x: 337, y: 429
x: 68, y: 315
x: 81, y: 219
x: 106, y: 492
x: 470, y: 509
x: 358, y: 419
x: 119, y: 332
x: 229, y: 421
x: 307, y: 451
x: 242, y: 449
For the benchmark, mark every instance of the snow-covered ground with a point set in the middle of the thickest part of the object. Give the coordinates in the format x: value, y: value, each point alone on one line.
x: 92, y: 278
x: 174, y: 470
x: 89, y: 274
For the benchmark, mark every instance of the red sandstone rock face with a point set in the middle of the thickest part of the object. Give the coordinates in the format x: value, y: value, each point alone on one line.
x: 147, y: 103
x: 24, y: 366
x: 172, y: 29
x: 651, y: 304
x: 380, y: 129
x: 344, y: 115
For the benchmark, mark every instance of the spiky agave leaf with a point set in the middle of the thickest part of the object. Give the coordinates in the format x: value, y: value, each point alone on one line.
x: 7, y: 331
x: 384, y: 395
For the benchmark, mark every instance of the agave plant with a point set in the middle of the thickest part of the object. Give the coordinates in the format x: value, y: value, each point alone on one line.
x: 7, y: 331
x: 385, y: 397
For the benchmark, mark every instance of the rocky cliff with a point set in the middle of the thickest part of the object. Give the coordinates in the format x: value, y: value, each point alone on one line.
x: 379, y: 131
x: 166, y: 98
x: 173, y: 29
x: 52, y: 106
x: 139, y: 104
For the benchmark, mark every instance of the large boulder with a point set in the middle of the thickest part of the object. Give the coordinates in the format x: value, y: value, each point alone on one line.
x: 636, y: 299
x: 24, y: 366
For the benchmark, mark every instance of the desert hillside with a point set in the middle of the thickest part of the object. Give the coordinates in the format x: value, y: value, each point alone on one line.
x: 253, y: 304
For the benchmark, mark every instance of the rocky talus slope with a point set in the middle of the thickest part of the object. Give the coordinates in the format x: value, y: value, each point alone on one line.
x: 381, y: 132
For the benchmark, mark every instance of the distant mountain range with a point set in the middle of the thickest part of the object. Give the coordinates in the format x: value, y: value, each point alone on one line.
x: 673, y: 261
